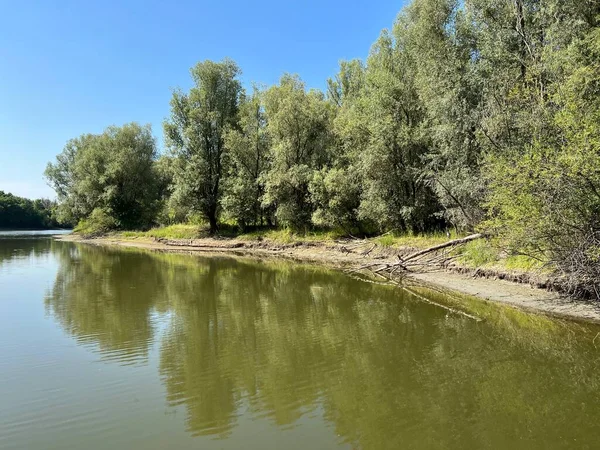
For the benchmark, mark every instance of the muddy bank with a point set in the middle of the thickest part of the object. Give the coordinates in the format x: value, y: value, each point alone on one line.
x: 524, y: 291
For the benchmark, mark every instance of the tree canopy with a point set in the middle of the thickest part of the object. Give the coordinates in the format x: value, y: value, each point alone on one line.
x: 22, y: 213
x: 108, y: 177
x: 195, y: 133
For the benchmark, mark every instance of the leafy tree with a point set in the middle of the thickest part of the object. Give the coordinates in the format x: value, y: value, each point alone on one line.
x: 546, y: 202
x: 335, y: 193
x: 381, y: 130
x: 348, y: 82
x: 19, y: 213
x: 195, y: 134
x: 336, y: 189
x: 299, y: 125
x: 248, y: 162
x: 108, y: 177
x: 439, y: 39
x: 170, y: 212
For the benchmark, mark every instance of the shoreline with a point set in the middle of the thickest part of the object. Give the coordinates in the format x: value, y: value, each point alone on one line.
x: 526, y: 297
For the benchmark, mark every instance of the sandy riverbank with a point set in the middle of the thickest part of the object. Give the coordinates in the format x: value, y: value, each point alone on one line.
x: 340, y: 256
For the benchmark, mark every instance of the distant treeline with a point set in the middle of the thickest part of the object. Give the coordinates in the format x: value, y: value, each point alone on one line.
x: 22, y: 213
x: 470, y: 114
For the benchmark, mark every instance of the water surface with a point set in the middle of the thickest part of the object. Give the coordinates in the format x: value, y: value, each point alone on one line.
x: 32, y: 233
x: 105, y: 348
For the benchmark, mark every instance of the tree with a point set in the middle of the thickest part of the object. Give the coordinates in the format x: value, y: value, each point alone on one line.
x: 108, y: 177
x: 335, y: 194
x: 439, y: 38
x: 348, y: 82
x: 195, y: 134
x: 336, y: 189
x: 248, y: 162
x: 381, y: 131
x: 299, y: 125
x: 546, y: 201
x: 18, y: 212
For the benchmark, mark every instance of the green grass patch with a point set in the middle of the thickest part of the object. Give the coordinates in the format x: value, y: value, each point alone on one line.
x: 413, y: 240
x: 288, y: 236
x: 522, y: 262
x: 179, y: 231
x: 479, y: 253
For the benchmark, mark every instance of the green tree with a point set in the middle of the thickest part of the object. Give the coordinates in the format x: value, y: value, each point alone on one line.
x: 299, y: 125
x: 381, y: 131
x: 440, y: 40
x: 108, y: 178
x: 348, y: 82
x: 195, y: 134
x: 19, y: 213
x: 335, y: 194
x: 248, y: 162
x: 546, y: 201
x: 336, y: 189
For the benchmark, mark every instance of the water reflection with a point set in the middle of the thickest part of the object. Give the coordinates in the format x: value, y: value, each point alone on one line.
x: 278, y: 341
x: 13, y: 249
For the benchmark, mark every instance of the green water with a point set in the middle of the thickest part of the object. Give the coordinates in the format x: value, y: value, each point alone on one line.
x: 122, y: 349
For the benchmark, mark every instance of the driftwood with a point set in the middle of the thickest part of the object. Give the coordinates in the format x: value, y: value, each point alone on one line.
x: 423, y: 259
x: 435, y: 248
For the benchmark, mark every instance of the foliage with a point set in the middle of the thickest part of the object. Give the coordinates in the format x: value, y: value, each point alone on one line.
x: 335, y: 194
x: 299, y: 125
x: 545, y: 200
x: 381, y: 136
x: 440, y: 41
x: 195, y: 134
x: 108, y: 176
x: 248, y: 157
x: 21, y: 213
x: 99, y: 222
x: 479, y: 253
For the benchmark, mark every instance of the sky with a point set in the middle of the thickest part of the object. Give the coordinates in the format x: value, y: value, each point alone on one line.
x: 70, y: 67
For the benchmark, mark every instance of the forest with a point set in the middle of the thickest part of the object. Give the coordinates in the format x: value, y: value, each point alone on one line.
x: 18, y: 213
x: 466, y: 115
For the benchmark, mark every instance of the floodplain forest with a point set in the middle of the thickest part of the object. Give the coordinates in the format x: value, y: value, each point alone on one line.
x: 471, y: 115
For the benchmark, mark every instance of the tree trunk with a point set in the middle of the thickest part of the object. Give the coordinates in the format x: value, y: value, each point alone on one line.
x: 212, y: 220
x: 520, y: 27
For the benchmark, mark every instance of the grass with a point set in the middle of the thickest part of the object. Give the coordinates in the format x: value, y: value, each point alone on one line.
x: 488, y: 253
x: 522, y: 262
x: 480, y: 253
x: 178, y: 231
x: 287, y: 236
x: 413, y: 240
x: 192, y: 231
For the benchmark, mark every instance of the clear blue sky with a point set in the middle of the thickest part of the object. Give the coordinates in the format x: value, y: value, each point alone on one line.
x: 69, y: 67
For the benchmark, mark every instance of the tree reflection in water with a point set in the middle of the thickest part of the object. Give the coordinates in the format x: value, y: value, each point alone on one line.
x: 278, y: 340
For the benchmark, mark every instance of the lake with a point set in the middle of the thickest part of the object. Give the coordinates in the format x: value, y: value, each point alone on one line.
x: 104, y: 348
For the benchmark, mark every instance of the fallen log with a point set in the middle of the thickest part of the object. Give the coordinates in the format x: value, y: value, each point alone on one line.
x: 414, y: 261
x: 435, y: 248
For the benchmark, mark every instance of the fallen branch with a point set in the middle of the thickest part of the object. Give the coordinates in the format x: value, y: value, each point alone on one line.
x: 415, y: 261
x: 435, y: 248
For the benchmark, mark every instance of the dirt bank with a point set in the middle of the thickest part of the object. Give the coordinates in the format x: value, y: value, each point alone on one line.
x: 352, y: 255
